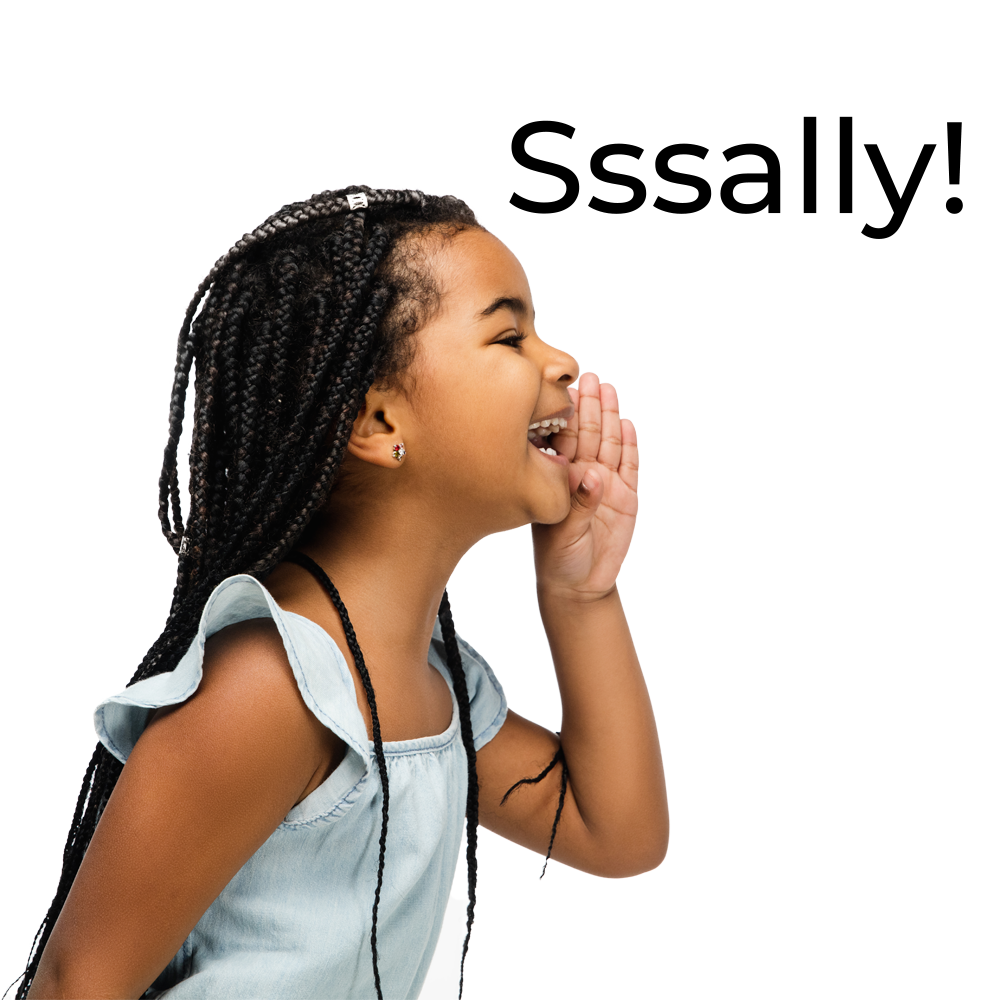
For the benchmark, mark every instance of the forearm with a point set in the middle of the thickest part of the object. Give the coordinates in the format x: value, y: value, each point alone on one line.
x: 608, y: 731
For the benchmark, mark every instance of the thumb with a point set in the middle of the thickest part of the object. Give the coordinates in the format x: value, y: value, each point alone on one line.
x: 587, y: 497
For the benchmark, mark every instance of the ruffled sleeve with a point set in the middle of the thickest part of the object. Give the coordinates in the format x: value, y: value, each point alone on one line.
x: 487, y: 703
x: 323, y: 679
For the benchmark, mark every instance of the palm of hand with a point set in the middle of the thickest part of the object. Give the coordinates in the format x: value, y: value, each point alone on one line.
x: 583, y: 553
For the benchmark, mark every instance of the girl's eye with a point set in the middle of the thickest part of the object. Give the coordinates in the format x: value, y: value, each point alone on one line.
x: 515, y: 339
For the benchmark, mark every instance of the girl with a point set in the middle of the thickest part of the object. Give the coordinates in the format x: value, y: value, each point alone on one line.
x: 371, y: 398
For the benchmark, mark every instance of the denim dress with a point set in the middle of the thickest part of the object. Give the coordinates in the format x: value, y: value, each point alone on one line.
x: 295, y: 920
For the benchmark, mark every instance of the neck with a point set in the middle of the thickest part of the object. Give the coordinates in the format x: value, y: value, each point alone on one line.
x: 391, y: 560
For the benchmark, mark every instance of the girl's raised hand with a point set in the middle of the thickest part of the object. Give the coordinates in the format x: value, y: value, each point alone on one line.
x: 580, y: 557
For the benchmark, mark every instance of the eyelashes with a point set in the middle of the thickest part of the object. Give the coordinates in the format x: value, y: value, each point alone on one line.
x: 515, y: 339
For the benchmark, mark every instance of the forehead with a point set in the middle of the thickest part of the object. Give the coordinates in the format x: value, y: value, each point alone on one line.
x: 473, y: 270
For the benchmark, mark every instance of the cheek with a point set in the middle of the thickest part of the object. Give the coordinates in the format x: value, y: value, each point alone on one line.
x: 509, y: 388
x: 475, y: 407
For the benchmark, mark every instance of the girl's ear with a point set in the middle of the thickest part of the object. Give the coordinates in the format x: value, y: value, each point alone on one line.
x: 376, y: 434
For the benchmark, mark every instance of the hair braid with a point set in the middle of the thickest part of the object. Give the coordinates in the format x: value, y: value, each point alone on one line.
x: 170, y: 497
x: 286, y: 333
x: 346, y: 405
x: 327, y: 471
x: 284, y: 317
x: 558, y: 757
x: 224, y: 359
x: 472, y: 797
x: 301, y: 559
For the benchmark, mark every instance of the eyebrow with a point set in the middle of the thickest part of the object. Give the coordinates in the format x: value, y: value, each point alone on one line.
x: 514, y: 304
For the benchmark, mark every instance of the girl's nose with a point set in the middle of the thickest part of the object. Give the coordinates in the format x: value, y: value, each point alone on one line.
x: 559, y: 366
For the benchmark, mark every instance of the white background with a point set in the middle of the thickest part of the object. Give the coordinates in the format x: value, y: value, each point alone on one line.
x: 813, y: 582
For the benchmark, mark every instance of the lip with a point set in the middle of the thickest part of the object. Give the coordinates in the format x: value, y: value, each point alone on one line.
x: 557, y: 458
x: 566, y: 413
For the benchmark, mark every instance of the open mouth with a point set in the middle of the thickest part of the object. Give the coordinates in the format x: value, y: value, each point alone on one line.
x: 541, y: 430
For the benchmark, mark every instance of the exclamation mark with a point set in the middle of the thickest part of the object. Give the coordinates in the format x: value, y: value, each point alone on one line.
x: 954, y: 205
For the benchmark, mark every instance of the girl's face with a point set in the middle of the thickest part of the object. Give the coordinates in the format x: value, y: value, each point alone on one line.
x: 481, y: 376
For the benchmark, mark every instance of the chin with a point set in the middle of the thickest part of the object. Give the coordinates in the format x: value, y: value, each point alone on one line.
x: 553, y: 511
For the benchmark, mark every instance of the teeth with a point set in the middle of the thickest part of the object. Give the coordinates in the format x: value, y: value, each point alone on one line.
x: 555, y: 423
x: 548, y: 451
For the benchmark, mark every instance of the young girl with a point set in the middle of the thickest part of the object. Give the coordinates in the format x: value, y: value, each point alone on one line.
x: 275, y: 807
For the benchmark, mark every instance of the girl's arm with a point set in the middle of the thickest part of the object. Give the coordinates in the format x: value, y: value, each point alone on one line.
x: 614, y: 820
x: 206, y: 784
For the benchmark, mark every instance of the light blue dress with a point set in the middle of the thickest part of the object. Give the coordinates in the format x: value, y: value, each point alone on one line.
x: 295, y: 921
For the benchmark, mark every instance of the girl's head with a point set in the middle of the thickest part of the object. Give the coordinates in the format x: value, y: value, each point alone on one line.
x: 404, y: 311
x: 299, y: 320
x: 478, y: 377
x: 338, y: 328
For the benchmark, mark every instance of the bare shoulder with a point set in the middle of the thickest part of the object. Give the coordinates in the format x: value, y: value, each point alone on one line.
x: 248, y: 706
x: 240, y: 659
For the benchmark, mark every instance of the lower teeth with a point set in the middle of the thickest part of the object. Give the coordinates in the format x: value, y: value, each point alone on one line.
x: 548, y: 451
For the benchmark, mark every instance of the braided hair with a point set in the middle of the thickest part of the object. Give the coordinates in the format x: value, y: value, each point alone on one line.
x: 286, y: 334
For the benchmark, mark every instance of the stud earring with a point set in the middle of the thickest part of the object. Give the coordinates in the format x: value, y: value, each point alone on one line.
x: 398, y: 451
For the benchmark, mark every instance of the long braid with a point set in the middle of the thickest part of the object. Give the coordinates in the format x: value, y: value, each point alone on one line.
x: 215, y: 429
x: 472, y: 797
x: 272, y: 419
x: 301, y: 559
x: 558, y: 757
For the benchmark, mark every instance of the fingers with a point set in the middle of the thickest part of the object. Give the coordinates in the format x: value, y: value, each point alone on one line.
x: 596, y: 432
x: 587, y: 497
x: 588, y: 417
x: 628, y: 467
x: 565, y: 441
x: 610, y: 452
x: 599, y: 437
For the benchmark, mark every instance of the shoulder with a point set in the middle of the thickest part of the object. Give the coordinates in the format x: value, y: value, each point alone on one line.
x: 248, y: 695
x: 244, y: 664
x: 248, y: 659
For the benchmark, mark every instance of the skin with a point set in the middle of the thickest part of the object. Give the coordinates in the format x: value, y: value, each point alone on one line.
x: 229, y: 763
